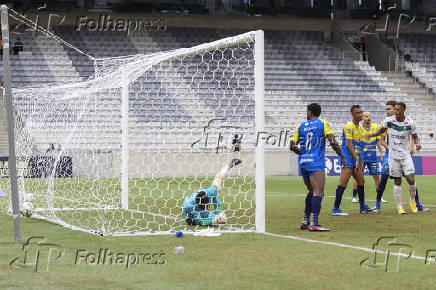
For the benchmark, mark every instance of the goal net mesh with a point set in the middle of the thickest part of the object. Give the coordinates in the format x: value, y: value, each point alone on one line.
x: 137, y: 137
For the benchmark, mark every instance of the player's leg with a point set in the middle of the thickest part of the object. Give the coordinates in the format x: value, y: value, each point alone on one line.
x: 343, y: 181
x: 354, y: 191
x: 383, y: 181
x: 398, y: 195
x: 409, y: 173
x: 317, y: 180
x: 396, y: 172
x: 219, y: 177
x: 308, y: 202
x: 419, y: 205
x: 359, y: 177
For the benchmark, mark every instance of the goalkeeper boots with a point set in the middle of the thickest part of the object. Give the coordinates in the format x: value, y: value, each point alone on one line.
x: 236, y: 161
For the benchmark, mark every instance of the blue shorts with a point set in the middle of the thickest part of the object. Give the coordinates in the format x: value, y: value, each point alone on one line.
x: 385, y: 165
x: 372, y: 167
x: 351, y: 163
x: 307, y: 172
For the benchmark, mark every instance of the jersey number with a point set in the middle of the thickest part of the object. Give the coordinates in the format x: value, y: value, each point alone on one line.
x: 309, y: 141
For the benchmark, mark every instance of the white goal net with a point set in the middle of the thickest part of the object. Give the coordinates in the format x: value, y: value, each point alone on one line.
x: 139, y: 136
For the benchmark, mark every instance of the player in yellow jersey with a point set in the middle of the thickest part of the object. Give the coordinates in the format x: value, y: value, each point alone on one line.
x: 352, y: 151
x: 369, y: 152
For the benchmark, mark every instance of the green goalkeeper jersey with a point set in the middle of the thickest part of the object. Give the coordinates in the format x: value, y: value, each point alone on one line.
x: 191, y: 211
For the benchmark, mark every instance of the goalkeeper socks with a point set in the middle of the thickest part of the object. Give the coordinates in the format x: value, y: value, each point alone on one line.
x: 397, y: 194
x: 316, y: 208
x: 339, y: 192
x: 382, y: 186
x: 361, y: 193
x: 308, y: 207
x: 412, y: 190
x: 354, y: 193
x: 225, y: 170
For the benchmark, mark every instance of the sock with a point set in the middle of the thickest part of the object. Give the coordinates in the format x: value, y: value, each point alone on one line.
x: 354, y: 193
x: 412, y: 190
x: 339, y: 192
x: 418, y: 203
x: 225, y: 169
x: 361, y: 193
x: 308, y: 207
x: 397, y: 194
x: 382, y: 186
x: 316, y: 208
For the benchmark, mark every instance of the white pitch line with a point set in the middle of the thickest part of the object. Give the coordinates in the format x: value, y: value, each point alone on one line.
x: 341, y: 245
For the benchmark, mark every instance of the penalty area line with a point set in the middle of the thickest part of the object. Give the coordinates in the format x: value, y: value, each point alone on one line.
x: 340, y: 245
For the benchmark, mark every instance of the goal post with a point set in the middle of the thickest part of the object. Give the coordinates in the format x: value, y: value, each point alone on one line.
x: 259, y: 90
x: 140, y: 135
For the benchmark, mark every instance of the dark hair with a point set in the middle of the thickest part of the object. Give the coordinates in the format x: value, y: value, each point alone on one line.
x: 431, y: 134
x: 236, y: 136
x: 315, y: 109
x: 354, y: 107
x: 402, y: 105
x: 391, y: 103
x: 201, y: 199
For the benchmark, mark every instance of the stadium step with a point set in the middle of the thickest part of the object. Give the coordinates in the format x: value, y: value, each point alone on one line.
x: 413, y: 89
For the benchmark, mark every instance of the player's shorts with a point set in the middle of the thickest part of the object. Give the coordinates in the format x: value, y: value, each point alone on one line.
x: 372, y: 167
x: 385, y: 164
x: 399, y: 166
x: 351, y: 163
x: 306, y: 172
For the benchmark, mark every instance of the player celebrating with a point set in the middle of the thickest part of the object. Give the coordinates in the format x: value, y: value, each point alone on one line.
x: 400, y: 160
x: 311, y: 136
x: 390, y: 111
x: 351, y: 147
x: 369, y: 152
x: 195, y: 206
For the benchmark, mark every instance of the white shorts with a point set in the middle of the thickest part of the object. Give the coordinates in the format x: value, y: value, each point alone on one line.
x: 399, y: 166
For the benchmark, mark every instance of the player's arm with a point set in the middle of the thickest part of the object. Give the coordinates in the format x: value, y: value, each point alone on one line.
x: 335, y: 145
x: 293, y: 145
x: 415, y: 139
x: 380, y: 131
x: 383, y: 142
x: 206, y: 221
x: 416, y: 142
x: 350, y: 148
x: 217, y: 203
x: 379, y: 146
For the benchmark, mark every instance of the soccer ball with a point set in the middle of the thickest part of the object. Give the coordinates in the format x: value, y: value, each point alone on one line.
x: 26, y: 209
x: 222, y: 218
x: 29, y: 197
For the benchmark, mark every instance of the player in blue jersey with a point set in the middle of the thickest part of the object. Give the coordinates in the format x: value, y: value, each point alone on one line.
x: 390, y: 111
x: 352, y: 150
x: 311, y: 135
x: 195, y: 208
x: 369, y: 152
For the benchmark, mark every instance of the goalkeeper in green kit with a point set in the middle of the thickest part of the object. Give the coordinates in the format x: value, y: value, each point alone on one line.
x: 195, y: 206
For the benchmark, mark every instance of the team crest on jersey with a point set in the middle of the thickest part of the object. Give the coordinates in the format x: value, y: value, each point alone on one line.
x: 406, y: 123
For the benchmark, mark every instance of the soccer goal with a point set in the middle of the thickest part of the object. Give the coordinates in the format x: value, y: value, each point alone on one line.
x: 140, y: 134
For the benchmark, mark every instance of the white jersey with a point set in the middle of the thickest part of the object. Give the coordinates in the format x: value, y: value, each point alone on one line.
x: 399, y: 136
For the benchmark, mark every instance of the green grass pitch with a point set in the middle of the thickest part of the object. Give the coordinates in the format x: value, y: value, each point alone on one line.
x: 247, y: 260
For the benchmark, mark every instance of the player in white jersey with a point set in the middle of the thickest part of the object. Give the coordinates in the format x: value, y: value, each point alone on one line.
x: 401, y: 128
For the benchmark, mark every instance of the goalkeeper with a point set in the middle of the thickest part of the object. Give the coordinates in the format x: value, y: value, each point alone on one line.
x: 195, y: 206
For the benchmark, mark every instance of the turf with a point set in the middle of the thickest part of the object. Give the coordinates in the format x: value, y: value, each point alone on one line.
x: 243, y: 261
